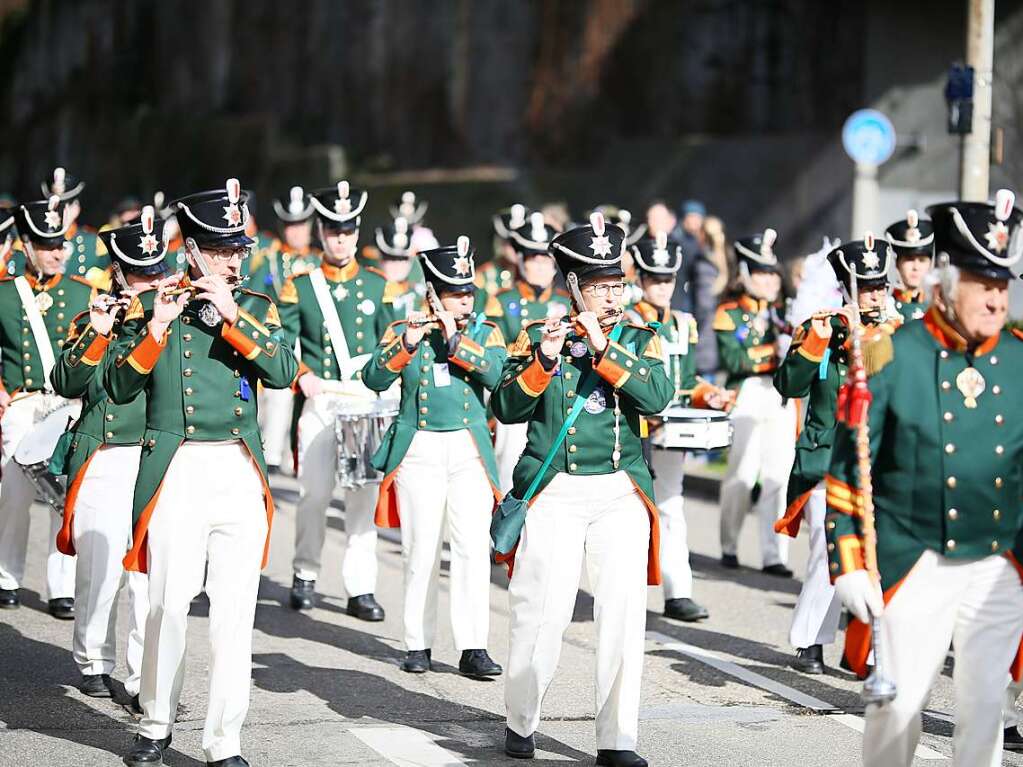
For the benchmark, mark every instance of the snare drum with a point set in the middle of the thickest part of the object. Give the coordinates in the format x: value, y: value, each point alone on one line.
x: 687, y: 428
x: 359, y: 427
x: 35, y: 449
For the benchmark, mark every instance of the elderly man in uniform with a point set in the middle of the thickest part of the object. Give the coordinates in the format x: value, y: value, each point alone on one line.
x: 36, y: 310
x: 815, y: 367
x: 101, y: 462
x: 337, y: 313
x: 913, y: 243
x: 591, y: 497
x: 197, y: 349
x: 945, y: 448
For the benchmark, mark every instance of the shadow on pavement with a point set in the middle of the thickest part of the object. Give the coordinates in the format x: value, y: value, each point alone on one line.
x: 356, y: 695
x: 34, y: 698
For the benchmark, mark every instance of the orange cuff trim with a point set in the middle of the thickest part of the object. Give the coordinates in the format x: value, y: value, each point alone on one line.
x: 611, y: 371
x: 813, y: 347
x: 471, y: 346
x: 248, y: 348
x: 244, y: 315
x: 534, y: 379
x: 93, y: 355
x: 401, y: 357
x: 144, y: 356
x: 850, y: 553
x: 760, y: 351
x: 698, y: 397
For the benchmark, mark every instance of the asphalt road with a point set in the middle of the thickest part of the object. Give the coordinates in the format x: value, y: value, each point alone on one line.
x: 327, y: 689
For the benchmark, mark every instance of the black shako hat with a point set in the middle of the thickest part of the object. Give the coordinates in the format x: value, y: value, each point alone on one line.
x: 980, y: 237
x: 869, y: 259
x: 393, y: 241
x: 294, y: 207
x: 657, y: 257
x: 509, y: 219
x: 410, y: 208
x: 215, y: 218
x: 43, y: 222
x: 911, y: 236
x: 534, y: 237
x: 140, y: 247
x: 66, y: 186
x: 586, y: 253
x: 451, y: 267
x: 339, y: 207
x: 757, y: 251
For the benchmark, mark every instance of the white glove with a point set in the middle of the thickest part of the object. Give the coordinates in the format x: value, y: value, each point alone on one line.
x: 861, y: 594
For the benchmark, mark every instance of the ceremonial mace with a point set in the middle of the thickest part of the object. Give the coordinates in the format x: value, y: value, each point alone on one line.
x: 878, y: 688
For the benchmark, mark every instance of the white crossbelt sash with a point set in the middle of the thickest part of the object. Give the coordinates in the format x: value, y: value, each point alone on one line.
x: 39, y: 334
x: 348, y: 365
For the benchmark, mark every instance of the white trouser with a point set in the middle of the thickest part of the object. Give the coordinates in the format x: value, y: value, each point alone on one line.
x: 599, y: 519
x: 975, y: 605
x: 1010, y: 714
x: 442, y: 479
x: 275, y: 424
x: 818, y: 609
x: 102, y: 533
x: 676, y: 574
x: 763, y: 448
x: 210, y: 510
x: 16, y: 496
x: 317, y: 476
x: 509, y: 442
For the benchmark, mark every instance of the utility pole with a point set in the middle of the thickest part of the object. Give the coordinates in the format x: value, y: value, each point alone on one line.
x: 976, y: 156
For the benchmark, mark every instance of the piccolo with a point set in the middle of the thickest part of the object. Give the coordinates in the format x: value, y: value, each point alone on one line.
x: 432, y: 319
x: 609, y: 317
x: 233, y: 282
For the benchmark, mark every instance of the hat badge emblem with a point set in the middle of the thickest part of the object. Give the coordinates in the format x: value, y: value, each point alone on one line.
x: 870, y: 258
x: 149, y: 243
x: 997, y: 236
x: 52, y: 219
x: 600, y: 244
x: 461, y: 263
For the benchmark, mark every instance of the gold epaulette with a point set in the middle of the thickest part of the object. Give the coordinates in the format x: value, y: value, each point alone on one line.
x: 722, y: 319
x: 877, y: 353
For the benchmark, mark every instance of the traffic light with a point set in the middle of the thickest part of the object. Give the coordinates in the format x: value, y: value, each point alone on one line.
x: 959, y: 97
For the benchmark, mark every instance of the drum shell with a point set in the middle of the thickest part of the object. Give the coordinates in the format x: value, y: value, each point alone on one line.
x: 359, y: 429
x: 691, y: 429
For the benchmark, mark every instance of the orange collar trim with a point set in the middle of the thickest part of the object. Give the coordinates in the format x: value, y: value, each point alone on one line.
x: 651, y: 313
x: 526, y: 292
x: 950, y: 338
x: 340, y: 273
x: 751, y: 304
x: 908, y: 295
x: 33, y: 281
x: 72, y: 231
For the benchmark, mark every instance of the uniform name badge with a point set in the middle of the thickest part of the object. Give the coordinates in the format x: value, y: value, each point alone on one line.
x: 441, y: 375
x: 971, y: 384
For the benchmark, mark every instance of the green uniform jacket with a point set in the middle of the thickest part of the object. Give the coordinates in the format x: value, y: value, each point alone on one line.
x: 201, y: 385
x: 631, y: 368
x: 473, y: 366
x: 679, y: 335
x: 21, y: 367
x: 270, y: 267
x: 89, y: 257
x: 513, y: 307
x: 911, y: 304
x: 747, y: 339
x: 78, y: 374
x: 400, y: 298
x: 946, y: 477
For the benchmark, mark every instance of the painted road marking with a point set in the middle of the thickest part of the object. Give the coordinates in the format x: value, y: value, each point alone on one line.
x: 406, y: 747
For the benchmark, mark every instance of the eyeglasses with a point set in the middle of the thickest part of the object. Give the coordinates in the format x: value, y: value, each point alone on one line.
x: 226, y: 255
x: 604, y: 289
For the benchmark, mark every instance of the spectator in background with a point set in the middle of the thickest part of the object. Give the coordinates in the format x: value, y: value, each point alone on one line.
x: 659, y: 218
x: 697, y: 288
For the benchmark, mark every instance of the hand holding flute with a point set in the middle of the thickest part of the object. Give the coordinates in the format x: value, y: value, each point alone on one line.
x: 103, y: 311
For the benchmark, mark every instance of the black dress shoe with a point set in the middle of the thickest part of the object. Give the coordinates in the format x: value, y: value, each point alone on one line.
x: 1012, y: 741
x: 684, y: 609
x: 478, y: 663
x: 365, y: 608
x: 146, y: 752
x: 231, y: 761
x: 96, y: 685
x: 518, y: 747
x: 62, y: 609
x: 9, y: 599
x: 778, y: 571
x: 730, y: 561
x: 809, y: 660
x: 606, y: 756
x: 302, y: 594
x: 417, y: 662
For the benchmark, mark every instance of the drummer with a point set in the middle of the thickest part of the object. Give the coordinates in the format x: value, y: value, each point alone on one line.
x: 532, y: 297
x: 338, y: 314
x: 102, y: 462
x: 438, y: 459
x: 657, y: 264
x: 815, y: 367
x: 35, y: 314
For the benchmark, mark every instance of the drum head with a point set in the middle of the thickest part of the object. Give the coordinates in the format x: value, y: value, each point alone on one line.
x: 692, y: 414
x: 39, y: 444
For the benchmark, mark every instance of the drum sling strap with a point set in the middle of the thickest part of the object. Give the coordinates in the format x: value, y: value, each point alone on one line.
x: 347, y: 364
x: 39, y: 334
x: 506, y: 524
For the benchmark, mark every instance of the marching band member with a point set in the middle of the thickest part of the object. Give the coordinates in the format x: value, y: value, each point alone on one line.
x: 815, y: 367
x: 913, y: 242
x: 197, y: 351
x: 595, y: 492
x: 86, y: 259
x: 437, y: 457
x: 102, y: 461
x: 337, y: 313
x: 657, y: 264
x: 500, y: 272
x: 763, y: 444
x: 533, y: 297
x: 36, y: 310
x: 396, y: 245
x: 945, y: 447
